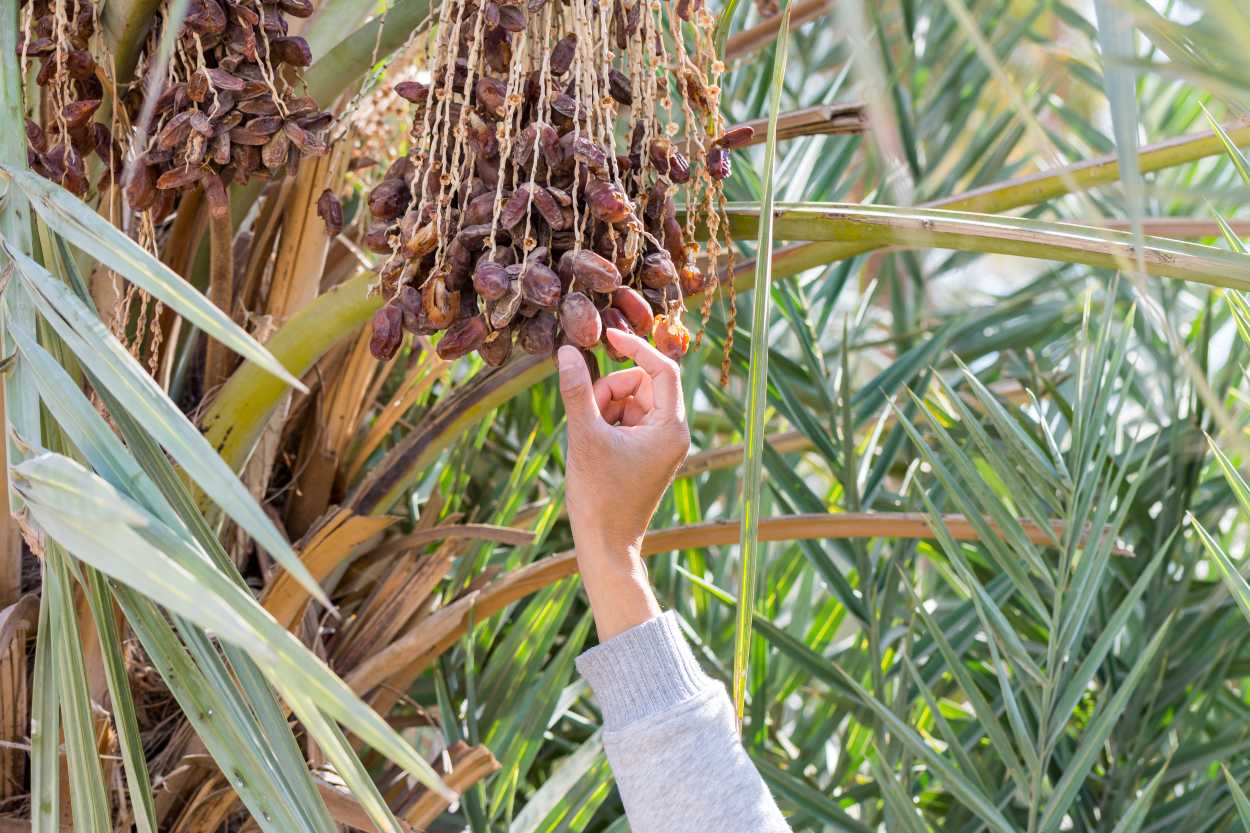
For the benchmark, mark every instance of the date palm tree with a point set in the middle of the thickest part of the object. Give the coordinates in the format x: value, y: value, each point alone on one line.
x: 964, y: 524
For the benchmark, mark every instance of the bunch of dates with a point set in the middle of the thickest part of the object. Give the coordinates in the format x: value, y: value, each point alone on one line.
x: 233, y: 116
x: 520, y: 225
x: 59, y: 39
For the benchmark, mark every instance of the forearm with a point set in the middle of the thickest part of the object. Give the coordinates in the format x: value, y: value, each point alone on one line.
x: 669, y: 735
x: 617, y: 585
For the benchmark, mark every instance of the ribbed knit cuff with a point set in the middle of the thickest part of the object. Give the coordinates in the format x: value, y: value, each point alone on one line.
x: 643, y: 671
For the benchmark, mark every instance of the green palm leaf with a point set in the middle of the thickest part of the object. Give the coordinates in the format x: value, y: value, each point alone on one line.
x: 757, y: 395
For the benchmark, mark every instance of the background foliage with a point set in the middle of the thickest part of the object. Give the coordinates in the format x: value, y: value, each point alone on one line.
x: 1005, y: 414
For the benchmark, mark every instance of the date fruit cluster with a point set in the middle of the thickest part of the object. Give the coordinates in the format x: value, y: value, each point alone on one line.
x: 57, y: 34
x: 538, y: 206
x: 231, y: 113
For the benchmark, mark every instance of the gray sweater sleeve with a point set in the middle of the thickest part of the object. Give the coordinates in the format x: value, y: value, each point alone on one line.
x: 670, y: 738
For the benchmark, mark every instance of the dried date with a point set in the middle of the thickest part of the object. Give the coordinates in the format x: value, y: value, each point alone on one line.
x: 490, y: 279
x: 635, y: 308
x: 590, y: 271
x: 580, y: 321
x: 607, y: 202
x: 614, y: 319
x: 462, y: 338
x: 330, y: 210
x: 539, y: 285
x: 388, y: 333
x: 495, y: 351
x: 537, y: 335
x: 658, y: 270
x: 670, y: 336
x: 718, y: 164
x: 562, y: 55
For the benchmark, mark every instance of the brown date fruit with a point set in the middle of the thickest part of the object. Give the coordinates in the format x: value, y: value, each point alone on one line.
x: 580, y: 320
x: 658, y: 270
x: 635, y: 308
x: 548, y: 208
x: 503, y: 310
x: 659, y: 151
x: 219, y: 79
x: 388, y: 332
x: 417, y: 242
x: 492, y: 95
x: 496, y: 351
x: 440, y: 304
x: 80, y: 64
x: 473, y: 236
x: 736, y: 137
x: 462, y: 338
x: 487, y: 170
x: 539, y: 285
x: 78, y: 113
x: 549, y: 141
x: 607, y: 202
x: 537, y: 335
x: 679, y: 168
x: 514, y: 209
x: 512, y: 18
x: 293, y: 50
x: 590, y: 270
x: 670, y: 336
x: 377, y: 239
x: 565, y: 106
x: 205, y: 17
x: 718, y: 164
x: 657, y: 201
x: 172, y: 179
x: 220, y: 152
x: 175, y: 131
x: 619, y: 87
x: 480, y: 209
x: 497, y: 48
x: 562, y: 55
x: 459, y: 265
x: 141, y: 188
x: 614, y: 319
x: 668, y: 161
x: 674, y: 237
x: 413, y: 91
x: 330, y: 210
x: 297, y: 8
x: 409, y: 302
x: 590, y: 155
x: 490, y: 279
x: 691, y: 279
x: 388, y: 199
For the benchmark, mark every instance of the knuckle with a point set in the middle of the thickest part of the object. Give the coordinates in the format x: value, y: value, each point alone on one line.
x: 677, y: 443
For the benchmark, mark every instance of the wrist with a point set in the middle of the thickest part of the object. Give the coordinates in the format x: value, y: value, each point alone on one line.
x: 618, y: 588
x: 603, y: 543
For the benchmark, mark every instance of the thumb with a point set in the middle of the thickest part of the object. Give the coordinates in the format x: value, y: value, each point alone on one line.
x: 576, y: 389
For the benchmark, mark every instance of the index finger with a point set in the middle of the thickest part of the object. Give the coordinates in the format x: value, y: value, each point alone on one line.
x: 622, y: 384
x: 666, y: 381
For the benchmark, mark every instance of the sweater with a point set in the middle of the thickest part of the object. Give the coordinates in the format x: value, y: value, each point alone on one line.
x: 670, y: 738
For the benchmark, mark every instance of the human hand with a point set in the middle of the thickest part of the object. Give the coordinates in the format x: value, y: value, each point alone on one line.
x: 627, y: 436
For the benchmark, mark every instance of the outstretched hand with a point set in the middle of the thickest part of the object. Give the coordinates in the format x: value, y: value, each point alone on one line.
x: 627, y: 436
